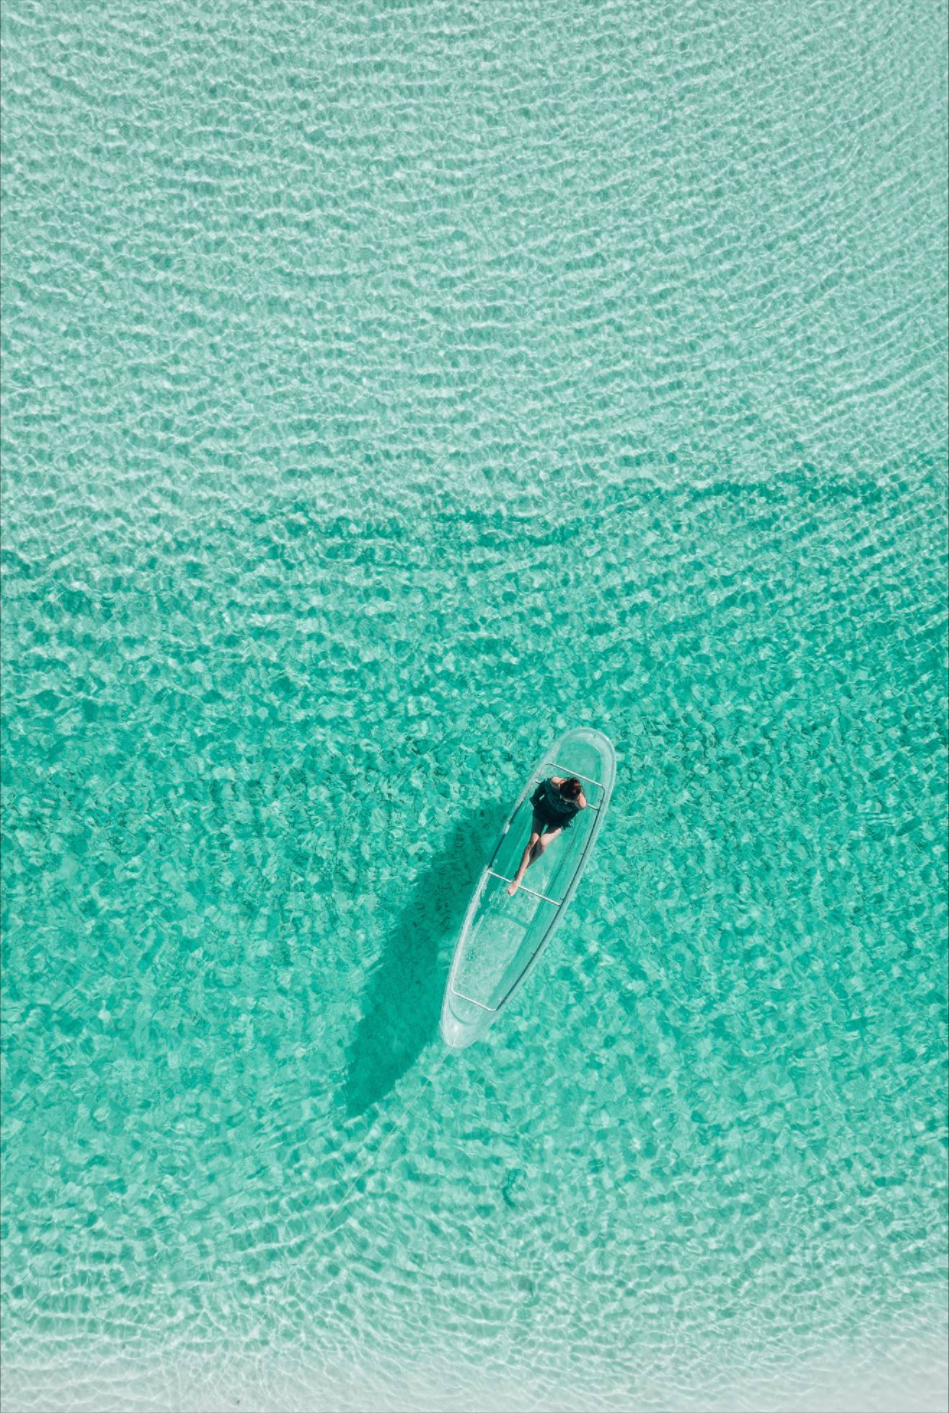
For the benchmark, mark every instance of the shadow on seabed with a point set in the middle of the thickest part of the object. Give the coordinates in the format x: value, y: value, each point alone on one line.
x: 402, y: 1000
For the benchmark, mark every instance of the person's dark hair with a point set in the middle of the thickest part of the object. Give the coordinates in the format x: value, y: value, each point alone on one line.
x: 571, y: 788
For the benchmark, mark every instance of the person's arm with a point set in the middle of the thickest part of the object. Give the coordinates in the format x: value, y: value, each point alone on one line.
x: 582, y: 800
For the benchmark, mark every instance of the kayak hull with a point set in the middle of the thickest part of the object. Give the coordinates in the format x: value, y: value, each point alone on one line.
x: 503, y: 938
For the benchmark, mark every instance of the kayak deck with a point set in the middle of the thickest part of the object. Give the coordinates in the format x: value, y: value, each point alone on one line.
x: 502, y: 937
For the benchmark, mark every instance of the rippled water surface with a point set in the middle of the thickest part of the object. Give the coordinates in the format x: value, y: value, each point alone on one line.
x: 386, y: 388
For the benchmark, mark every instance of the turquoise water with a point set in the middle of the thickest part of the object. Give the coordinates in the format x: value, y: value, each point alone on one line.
x: 388, y: 387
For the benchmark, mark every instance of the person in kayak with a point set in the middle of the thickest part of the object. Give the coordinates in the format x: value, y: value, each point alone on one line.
x: 556, y: 801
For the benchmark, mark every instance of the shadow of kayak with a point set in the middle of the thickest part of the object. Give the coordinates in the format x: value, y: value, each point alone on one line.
x: 402, y: 1000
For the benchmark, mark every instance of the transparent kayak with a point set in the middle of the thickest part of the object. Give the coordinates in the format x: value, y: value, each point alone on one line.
x: 502, y: 938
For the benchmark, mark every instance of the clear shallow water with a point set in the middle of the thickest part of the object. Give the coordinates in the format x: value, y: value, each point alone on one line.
x: 385, y: 390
